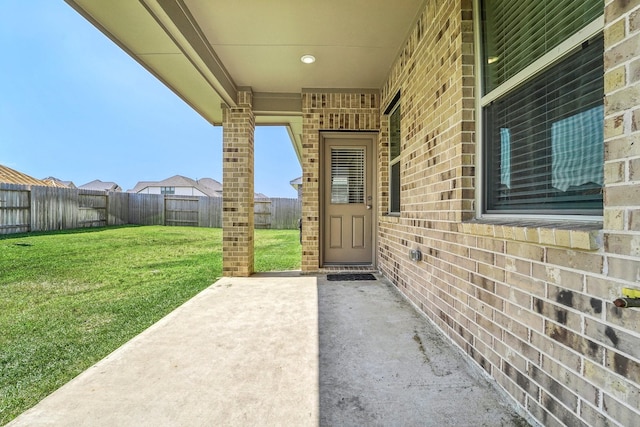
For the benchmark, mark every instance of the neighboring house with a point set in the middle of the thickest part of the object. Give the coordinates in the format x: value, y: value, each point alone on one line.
x: 12, y: 176
x: 214, y: 188
x: 483, y: 155
x: 101, y: 186
x: 181, y: 186
x: 297, y: 185
x: 55, y: 182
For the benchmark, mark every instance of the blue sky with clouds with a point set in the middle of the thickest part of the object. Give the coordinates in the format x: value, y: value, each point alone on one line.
x: 75, y: 106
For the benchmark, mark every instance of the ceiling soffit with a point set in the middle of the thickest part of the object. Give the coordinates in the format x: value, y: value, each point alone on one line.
x: 131, y: 26
x: 205, y: 51
x: 260, y: 43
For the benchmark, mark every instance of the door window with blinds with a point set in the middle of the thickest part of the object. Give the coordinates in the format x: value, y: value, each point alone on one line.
x: 347, y: 175
x: 542, y: 106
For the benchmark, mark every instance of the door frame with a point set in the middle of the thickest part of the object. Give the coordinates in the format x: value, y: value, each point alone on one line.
x: 352, y: 135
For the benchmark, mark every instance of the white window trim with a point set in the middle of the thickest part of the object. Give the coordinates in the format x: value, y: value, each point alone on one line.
x: 550, y: 58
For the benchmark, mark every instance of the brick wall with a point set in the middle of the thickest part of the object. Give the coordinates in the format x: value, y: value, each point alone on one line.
x: 619, y: 373
x: 327, y: 112
x: 529, y: 302
x: 238, y: 188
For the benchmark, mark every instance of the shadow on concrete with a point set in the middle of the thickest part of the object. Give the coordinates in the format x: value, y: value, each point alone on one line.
x: 383, y: 364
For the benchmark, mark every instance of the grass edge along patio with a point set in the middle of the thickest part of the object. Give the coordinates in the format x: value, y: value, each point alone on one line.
x: 70, y: 298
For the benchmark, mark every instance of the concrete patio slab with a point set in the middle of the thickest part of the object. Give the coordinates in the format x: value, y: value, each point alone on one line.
x: 242, y: 352
x: 384, y: 364
x: 282, y: 350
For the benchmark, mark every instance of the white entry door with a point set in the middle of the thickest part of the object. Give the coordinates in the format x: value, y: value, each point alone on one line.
x: 348, y: 200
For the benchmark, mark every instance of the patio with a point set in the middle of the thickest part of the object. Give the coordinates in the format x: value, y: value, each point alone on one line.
x: 282, y: 349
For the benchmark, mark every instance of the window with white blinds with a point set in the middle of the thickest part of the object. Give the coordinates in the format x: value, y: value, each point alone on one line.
x: 543, y: 136
x: 516, y: 33
x: 347, y: 175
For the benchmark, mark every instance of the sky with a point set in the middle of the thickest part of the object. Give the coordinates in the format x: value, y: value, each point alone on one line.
x: 74, y: 106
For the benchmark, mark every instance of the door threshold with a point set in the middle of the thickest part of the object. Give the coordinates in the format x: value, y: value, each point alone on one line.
x: 368, y: 268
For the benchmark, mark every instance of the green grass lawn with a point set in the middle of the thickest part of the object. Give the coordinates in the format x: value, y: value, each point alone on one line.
x: 68, y: 299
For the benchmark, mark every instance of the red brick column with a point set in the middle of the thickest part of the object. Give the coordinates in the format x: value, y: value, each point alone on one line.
x: 237, y: 184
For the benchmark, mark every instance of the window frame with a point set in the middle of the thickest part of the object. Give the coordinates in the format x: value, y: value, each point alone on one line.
x: 394, y: 107
x: 554, y: 56
x: 168, y: 191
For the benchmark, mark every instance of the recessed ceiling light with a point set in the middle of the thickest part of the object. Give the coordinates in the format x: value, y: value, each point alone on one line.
x: 308, y: 59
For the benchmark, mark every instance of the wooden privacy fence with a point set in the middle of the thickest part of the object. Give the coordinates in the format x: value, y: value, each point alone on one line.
x: 25, y: 208
x: 193, y: 211
x: 276, y: 213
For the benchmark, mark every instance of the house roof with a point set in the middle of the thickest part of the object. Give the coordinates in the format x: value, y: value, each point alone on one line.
x: 211, y: 183
x: 208, y: 186
x: 296, y: 183
x: 12, y: 176
x: 55, y: 182
x: 208, y: 51
x: 96, y: 184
